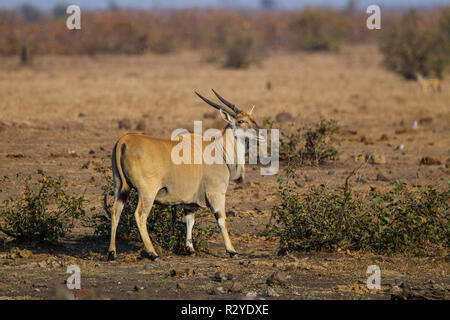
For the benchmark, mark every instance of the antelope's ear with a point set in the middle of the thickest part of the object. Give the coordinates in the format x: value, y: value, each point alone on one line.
x: 226, y: 116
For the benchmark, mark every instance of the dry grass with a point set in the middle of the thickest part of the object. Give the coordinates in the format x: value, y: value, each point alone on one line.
x: 74, y: 103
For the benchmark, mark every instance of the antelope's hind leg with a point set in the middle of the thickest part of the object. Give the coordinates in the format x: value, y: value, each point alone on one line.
x: 143, y: 208
x: 120, y: 197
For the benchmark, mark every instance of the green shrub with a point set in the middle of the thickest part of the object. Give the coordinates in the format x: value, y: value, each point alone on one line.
x: 165, y: 230
x: 165, y: 45
x: 241, y: 52
x: 120, y: 34
x: 404, y: 220
x: 318, y: 30
x: 413, y: 47
x: 315, y: 143
x: 44, y: 212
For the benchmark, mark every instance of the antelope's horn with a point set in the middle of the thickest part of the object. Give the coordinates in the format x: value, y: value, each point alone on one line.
x: 215, y: 105
x: 227, y: 103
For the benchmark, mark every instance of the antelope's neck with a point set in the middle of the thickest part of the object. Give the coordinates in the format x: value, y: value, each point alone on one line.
x: 230, y: 148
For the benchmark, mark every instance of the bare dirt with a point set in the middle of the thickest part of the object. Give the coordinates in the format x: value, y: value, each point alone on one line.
x: 62, y: 112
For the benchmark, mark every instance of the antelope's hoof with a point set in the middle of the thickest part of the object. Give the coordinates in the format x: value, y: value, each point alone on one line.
x: 111, y: 256
x: 151, y: 256
x: 233, y: 255
x: 190, y: 251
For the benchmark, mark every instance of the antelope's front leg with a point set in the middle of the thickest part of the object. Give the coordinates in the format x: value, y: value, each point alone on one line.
x: 189, y: 219
x: 221, y: 221
x: 217, y: 204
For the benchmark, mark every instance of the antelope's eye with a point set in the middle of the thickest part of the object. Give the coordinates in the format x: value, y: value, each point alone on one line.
x: 240, y: 121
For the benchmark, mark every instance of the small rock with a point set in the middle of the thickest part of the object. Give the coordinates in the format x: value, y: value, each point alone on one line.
x: 149, y: 266
x: 284, y: 117
x: 381, y: 177
x: 405, y: 130
x: 138, y: 288
x: 219, y: 290
x: 376, y: 158
x: 271, y: 292
x: 72, y: 153
x: 366, y: 140
x: 430, y: 161
x: 236, y: 287
x: 15, y: 155
x: 251, y: 294
x: 181, y: 285
x: 425, y: 120
x: 125, y: 124
x: 276, y: 278
x: 401, y: 146
x: 220, y: 276
x: 399, y: 283
x: 299, y: 184
x: 244, y: 263
x: 179, y: 272
x: 231, y: 213
x: 86, y: 165
x: 141, y: 125
x: 229, y: 276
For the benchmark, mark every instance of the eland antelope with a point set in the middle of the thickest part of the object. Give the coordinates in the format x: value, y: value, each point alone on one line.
x: 144, y: 163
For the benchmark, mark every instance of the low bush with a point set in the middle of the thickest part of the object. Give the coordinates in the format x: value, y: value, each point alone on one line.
x: 44, y: 212
x: 318, y: 30
x: 405, y: 220
x: 315, y: 143
x: 241, y: 52
x: 413, y: 46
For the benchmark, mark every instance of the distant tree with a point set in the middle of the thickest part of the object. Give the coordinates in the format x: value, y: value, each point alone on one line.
x: 352, y: 7
x: 30, y: 13
x: 113, y: 6
x: 59, y: 10
x: 268, y: 4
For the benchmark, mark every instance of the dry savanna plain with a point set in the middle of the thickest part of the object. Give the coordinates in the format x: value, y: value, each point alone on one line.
x: 61, y: 116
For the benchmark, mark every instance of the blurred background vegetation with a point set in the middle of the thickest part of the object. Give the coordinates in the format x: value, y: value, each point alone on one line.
x: 412, y: 41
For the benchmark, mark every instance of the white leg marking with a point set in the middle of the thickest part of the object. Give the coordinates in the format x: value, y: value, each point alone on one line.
x: 189, y: 219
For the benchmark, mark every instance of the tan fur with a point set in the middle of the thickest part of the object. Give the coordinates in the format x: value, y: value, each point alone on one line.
x: 145, y: 163
x: 426, y: 83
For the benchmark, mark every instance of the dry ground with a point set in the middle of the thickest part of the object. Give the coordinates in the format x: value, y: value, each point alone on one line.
x: 63, y: 111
